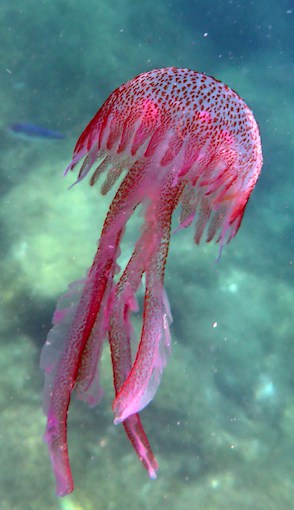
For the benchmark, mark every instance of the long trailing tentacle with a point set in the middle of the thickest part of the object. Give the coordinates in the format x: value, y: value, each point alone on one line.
x: 120, y: 333
x: 66, y: 373
x: 143, y: 380
x: 79, y: 331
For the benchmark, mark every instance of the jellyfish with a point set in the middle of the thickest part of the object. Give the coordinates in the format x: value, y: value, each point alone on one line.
x: 169, y: 137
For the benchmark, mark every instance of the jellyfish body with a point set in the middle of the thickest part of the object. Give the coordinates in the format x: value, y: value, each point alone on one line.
x: 183, y: 138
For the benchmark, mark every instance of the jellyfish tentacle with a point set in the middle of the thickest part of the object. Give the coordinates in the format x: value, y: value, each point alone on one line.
x: 87, y: 387
x: 143, y: 380
x: 120, y: 345
x: 120, y: 333
x: 137, y: 436
x: 79, y: 331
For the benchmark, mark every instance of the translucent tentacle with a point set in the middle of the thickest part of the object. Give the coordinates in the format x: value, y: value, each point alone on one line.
x: 143, y: 380
x: 79, y: 331
x: 87, y: 385
x: 120, y: 333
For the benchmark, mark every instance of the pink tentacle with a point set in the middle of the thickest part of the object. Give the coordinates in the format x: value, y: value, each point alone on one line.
x: 137, y: 436
x: 143, y: 380
x: 67, y: 369
x: 120, y: 333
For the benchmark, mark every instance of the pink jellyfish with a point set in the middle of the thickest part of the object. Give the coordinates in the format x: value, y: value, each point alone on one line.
x: 181, y: 138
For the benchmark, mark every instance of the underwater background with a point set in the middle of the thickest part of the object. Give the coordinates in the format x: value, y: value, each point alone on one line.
x: 222, y: 422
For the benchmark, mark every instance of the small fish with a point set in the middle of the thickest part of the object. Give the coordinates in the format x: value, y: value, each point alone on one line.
x: 31, y: 131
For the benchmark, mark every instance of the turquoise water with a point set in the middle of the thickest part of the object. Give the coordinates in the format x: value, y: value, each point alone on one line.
x: 222, y: 422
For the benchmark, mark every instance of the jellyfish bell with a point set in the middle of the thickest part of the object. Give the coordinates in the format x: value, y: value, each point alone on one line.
x: 180, y: 121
